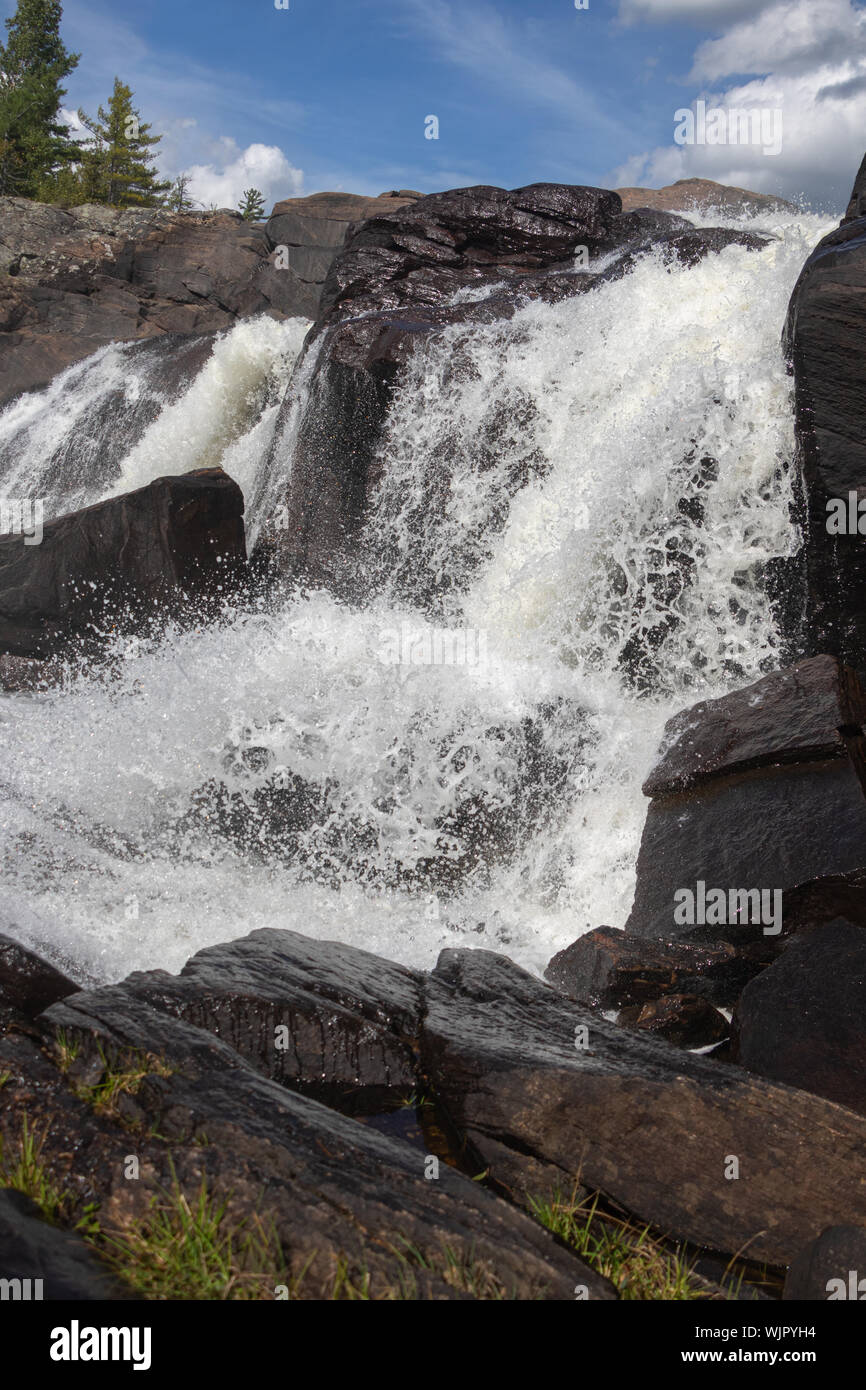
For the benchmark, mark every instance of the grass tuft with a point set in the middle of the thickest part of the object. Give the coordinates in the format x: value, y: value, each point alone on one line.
x: 637, y: 1264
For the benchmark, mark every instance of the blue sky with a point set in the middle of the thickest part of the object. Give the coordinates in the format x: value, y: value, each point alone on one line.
x: 335, y: 93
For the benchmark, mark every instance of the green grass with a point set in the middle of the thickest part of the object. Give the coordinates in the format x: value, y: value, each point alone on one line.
x: 194, y: 1250
x: 25, y: 1172
x: 637, y: 1264
x: 118, y: 1080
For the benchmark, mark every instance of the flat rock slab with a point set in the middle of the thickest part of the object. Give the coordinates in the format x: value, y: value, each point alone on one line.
x: 336, y: 1190
x: 802, y: 1021
x: 652, y: 1127
x: 831, y: 1268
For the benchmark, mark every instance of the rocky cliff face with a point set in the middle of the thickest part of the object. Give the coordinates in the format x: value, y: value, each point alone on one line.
x: 72, y: 280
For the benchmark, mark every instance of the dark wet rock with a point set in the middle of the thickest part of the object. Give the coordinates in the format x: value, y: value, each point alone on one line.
x: 51, y: 1264
x: 650, y: 1126
x: 683, y: 1019
x: 831, y: 1268
x: 173, y: 548
x: 793, y: 715
x: 330, y: 1020
x: 611, y: 969
x: 760, y: 791
x: 836, y: 895
x: 801, y: 1021
x: 824, y: 340
x: 28, y: 984
x: 337, y: 1193
x: 78, y: 278
x: 390, y: 289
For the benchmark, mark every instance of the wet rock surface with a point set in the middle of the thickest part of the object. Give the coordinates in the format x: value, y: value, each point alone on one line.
x: 28, y: 984
x: 801, y: 1021
x: 32, y: 1250
x: 172, y: 548
x: 684, y: 1019
x: 529, y: 1088
x: 337, y: 1192
x: 824, y: 342
x: 610, y: 969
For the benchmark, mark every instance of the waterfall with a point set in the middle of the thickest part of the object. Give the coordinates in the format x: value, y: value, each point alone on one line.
x: 568, y: 545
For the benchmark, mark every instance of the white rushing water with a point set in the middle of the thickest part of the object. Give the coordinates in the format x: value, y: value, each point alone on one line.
x: 584, y: 495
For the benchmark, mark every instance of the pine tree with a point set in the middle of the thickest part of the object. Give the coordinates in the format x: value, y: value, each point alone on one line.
x: 178, y: 199
x: 34, y: 144
x: 252, y: 205
x: 120, y: 153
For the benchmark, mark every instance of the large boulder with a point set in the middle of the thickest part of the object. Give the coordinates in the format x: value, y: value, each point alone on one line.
x: 390, y: 289
x: 173, y: 548
x: 756, y: 793
x: 801, y: 1021
x: 825, y: 341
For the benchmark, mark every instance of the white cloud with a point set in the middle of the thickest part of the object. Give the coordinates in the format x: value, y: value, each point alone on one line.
x: 809, y: 54
x: 793, y: 36
x: 704, y: 12
x: 258, y: 166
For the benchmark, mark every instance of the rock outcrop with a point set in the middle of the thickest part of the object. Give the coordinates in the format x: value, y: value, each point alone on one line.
x: 73, y: 280
x: 172, y: 549
x: 703, y: 195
